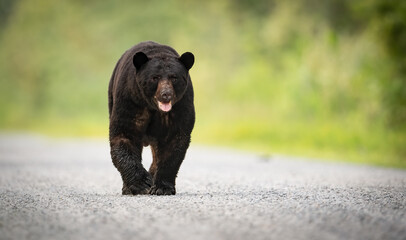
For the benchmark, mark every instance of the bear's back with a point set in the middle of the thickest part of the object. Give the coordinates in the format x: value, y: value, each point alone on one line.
x: 153, y: 50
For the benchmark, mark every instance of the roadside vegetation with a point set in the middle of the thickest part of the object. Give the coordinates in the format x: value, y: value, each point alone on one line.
x: 321, y: 80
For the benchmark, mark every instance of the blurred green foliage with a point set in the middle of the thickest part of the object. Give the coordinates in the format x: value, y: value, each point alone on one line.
x: 319, y: 79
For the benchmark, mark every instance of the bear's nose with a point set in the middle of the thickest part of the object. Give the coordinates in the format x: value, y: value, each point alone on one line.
x: 166, y: 96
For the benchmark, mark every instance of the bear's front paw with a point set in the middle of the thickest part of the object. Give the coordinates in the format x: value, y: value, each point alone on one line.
x: 162, y: 189
x: 141, y: 185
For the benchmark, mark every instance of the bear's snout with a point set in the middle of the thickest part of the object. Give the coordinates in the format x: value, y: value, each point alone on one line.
x: 164, y: 92
x: 165, y: 95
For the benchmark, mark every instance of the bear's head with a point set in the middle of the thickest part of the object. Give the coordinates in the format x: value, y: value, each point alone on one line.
x: 163, y: 81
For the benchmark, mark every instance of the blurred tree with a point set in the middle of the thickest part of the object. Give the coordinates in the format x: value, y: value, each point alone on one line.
x: 6, y: 8
x: 391, y: 15
x: 255, y: 8
x: 337, y: 13
x: 388, y: 19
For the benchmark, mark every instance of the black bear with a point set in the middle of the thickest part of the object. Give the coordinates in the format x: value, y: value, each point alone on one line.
x: 150, y: 101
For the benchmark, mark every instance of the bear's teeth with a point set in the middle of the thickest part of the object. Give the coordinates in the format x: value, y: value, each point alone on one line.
x: 166, y: 107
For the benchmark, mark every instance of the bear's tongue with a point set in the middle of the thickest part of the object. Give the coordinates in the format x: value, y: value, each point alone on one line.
x: 166, y: 107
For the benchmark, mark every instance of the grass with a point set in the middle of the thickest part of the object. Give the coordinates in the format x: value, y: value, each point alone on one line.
x: 312, y: 140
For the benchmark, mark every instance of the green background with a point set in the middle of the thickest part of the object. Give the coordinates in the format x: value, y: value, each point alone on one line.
x: 320, y: 79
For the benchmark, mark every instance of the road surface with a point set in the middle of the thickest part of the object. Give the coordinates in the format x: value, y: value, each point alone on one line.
x: 69, y: 189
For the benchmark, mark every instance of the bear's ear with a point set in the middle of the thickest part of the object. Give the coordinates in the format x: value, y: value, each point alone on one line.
x: 187, y: 59
x: 139, y: 59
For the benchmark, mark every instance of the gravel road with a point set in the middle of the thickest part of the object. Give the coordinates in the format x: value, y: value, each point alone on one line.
x: 69, y: 189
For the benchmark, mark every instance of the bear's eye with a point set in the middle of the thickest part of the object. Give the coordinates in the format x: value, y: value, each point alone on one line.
x: 156, y: 78
x: 173, y: 78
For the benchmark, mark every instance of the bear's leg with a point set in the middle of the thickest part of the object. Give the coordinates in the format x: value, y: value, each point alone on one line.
x: 167, y: 159
x: 126, y: 156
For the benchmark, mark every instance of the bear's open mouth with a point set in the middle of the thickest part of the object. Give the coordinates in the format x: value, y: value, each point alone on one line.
x: 166, y: 107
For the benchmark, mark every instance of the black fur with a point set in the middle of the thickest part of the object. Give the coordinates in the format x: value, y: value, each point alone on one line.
x: 146, y: 74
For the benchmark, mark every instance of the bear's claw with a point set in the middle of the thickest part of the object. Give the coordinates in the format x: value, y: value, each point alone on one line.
x: 162, y: 190
x: 141, y: 187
